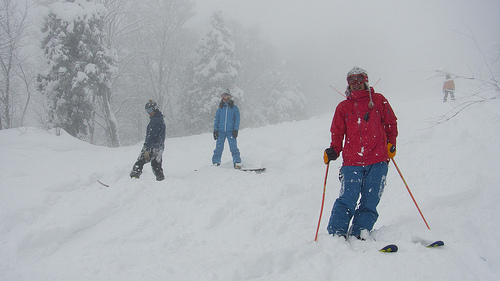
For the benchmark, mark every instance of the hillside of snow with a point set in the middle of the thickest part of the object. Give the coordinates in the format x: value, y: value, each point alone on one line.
x: 217, y: 223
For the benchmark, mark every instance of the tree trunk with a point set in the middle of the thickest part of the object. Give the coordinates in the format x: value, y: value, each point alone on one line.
x: 111, y: 124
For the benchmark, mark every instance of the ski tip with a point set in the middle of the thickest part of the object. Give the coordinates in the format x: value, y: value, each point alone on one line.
x: 389, y: 249
x: 436, y: 244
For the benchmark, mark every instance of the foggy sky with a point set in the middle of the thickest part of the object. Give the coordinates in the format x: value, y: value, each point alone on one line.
x: 401, y: 42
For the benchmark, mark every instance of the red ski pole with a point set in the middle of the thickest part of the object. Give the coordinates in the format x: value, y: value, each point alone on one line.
x: 322, y: 202
x: 337, y: 91
x: 411, y: 195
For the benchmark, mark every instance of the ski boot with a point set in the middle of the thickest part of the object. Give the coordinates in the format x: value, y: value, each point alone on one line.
x: 340, y: 235
x: 237, y: 166
x: 160, y: 177
x: 136, y: 172
x: 158, y: 171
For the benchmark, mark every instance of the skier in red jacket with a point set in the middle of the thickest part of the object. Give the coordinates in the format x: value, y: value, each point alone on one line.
x: 448, y: 88
x: 368, y: 124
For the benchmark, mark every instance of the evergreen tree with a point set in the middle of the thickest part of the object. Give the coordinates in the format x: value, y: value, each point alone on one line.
x: 80, y: 66
x: 288, y: 102
x: 215, y: 70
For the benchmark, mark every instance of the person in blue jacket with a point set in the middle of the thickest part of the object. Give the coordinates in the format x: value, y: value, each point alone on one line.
x: 226, y: 125
x: 154, y: 144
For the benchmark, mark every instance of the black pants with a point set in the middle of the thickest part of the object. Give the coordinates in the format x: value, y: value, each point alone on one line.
x: 446, y: 92
x: 156, y: 162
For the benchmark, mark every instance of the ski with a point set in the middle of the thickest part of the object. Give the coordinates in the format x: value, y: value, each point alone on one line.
x: 391, y: 248
x: 435, y: 244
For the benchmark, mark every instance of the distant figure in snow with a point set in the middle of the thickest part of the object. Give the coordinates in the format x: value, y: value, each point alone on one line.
x: 154, y: 144
x: 226, y: 126
x: 364, y: 129
x: 448, y: 88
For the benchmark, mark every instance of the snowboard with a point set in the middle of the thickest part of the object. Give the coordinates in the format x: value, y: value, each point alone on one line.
x: 257, y: 170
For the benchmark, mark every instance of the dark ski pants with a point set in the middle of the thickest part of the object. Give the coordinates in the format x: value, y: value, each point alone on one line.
x: 156, y: 162
x: 367, y: 181
x: 219, y: 147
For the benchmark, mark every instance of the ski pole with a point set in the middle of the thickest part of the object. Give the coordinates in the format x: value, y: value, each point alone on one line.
x: 337, y: 91
x: 411, y: 195
x: 322, y: 202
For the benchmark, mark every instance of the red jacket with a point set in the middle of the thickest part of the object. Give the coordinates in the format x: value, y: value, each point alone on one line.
x: 365, y: 141
x: 449, y: 85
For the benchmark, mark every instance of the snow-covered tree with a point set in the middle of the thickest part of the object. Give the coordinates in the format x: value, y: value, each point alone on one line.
x: 287, y: 102
x: 214, y: 71
x: 165, y: 52
x: 80, y: 67
x: 272, y: 95
x: 154, y: 47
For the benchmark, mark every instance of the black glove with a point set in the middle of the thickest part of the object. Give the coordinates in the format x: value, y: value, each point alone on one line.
x: 216, y: 134
x: 329, y: 155
x: 235, y: 133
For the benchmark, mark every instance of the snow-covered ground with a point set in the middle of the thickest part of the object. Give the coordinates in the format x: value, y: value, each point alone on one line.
x: 209, y: 223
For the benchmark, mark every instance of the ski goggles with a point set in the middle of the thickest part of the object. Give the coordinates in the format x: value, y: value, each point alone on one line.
x: 150, y: 110
x: 225, y: 95
x: 357, y: 79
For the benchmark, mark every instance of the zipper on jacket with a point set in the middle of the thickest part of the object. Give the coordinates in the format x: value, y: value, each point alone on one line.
x: 225, y: 120
x: 359, y: 121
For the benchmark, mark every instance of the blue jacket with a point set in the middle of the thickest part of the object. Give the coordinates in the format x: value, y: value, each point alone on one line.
x: 155, y: 132
x: 227, y: 118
